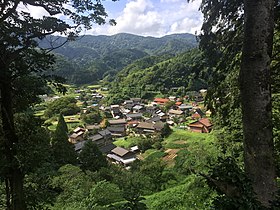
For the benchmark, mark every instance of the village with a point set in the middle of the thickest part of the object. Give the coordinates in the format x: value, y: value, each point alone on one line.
x: 135, y: 117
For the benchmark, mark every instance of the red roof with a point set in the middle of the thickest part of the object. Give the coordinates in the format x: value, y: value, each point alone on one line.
x: 206, y: 122
x: 196, y: 124
x: 178, y: 103
x: 161, y: 100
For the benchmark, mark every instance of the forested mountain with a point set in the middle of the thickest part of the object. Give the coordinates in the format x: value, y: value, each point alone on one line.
x: 184, y: 72
x: 90, y: 58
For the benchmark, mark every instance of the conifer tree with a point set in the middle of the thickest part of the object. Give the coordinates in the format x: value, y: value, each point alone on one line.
x: 91, y: 158
x: 63, y: 151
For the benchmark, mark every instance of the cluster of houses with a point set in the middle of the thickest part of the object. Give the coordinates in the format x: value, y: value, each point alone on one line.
x: 135, y: 117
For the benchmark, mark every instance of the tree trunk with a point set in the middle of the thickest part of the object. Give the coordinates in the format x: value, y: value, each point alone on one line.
x: 255, y: 90
x: 14, y: 176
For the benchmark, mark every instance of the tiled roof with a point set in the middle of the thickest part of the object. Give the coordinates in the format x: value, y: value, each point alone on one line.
x: 119, y: 121
x: 206, y: 122
x: 120, y: 151
x: 161, y: 100
x: 146, y: 125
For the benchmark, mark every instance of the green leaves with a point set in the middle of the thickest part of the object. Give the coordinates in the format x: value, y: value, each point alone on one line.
x: 91, y: 158
x: 64, y: 105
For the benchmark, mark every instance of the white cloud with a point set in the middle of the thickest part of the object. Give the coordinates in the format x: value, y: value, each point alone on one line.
x: 187, y: 19
x: 169, y: 16
x: 147, y: 17
x: 138, y: 17
x: 36, y: 12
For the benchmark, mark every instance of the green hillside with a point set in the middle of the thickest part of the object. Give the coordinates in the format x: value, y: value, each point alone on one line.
x: 91, y: 58
x: 159, y: 74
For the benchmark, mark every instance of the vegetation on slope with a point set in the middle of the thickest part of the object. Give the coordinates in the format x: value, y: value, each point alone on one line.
x: 146, y: 76
x: 92, y: 58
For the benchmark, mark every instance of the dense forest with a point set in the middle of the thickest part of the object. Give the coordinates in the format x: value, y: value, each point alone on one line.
x: 91, y: 58
x: 51, y: 131
x: 148, y: 76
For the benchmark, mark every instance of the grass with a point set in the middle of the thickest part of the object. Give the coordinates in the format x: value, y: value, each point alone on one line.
x: 183, y: 137
x: 192, y: 194
x: 121, y: 142
x: 72, y: 122
x: 155, y: 155
x: 126, y: 142
x: 148, y: 152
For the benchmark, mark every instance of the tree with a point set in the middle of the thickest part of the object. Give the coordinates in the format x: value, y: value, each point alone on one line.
x: 92, y: 117
x: 91, y: 158
x: 64, y: 105
x: 62, y: 150
x: 103, y: 194
x: 21, y: 56
x: 166, y: 130
x: 255, y: 87
x: 247, y: 27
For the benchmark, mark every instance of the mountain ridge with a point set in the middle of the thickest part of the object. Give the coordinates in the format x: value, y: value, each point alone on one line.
x: 112, y: 52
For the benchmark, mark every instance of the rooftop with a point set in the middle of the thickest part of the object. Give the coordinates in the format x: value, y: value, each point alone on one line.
x: 119, y: 121
x: 120, y: 151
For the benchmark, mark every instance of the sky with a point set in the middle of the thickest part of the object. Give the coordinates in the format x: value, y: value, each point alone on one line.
x: 152, y: 17
x: 148, y: 17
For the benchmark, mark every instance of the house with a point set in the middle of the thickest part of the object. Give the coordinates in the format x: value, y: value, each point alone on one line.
x: 151, y: 109
x: 138, y: 108
x: 115, y: 111
x: 77, y: 135
x: 128, y: 104
x: 132, y: 124
x: 158, y: 126
x: 154, y: 119
x: 161, y: 101
x: 103, y: 140
x: 117, y: 123
x: 185, y: 107
x: 175, y: 113
x: 178, y: 103
x: 163, y: 116
x: 145, y: 127
x: 172, y: 98
x: 117, y: 131
x: 134, y: 116
x: 92, y: 127
x: 201, y: 126
x: 79, y: 129
x: 122, y: 156
x: 79, y: 146
x: 105, y: 133
x: 97, y: 139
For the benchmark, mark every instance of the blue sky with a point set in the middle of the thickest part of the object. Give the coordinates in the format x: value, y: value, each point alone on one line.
x: 146, y: 17
x: 152, y: 17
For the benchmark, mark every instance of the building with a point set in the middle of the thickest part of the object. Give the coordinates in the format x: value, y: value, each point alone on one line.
x: 201, y: 126
x: 117, y: 131
x: 134, y: 116
x: 77, y: 135
x: 122, y: 156
x: 117, y: 123
x: 145, y: 127
x: 175, y: 113
x: 161, y: 101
